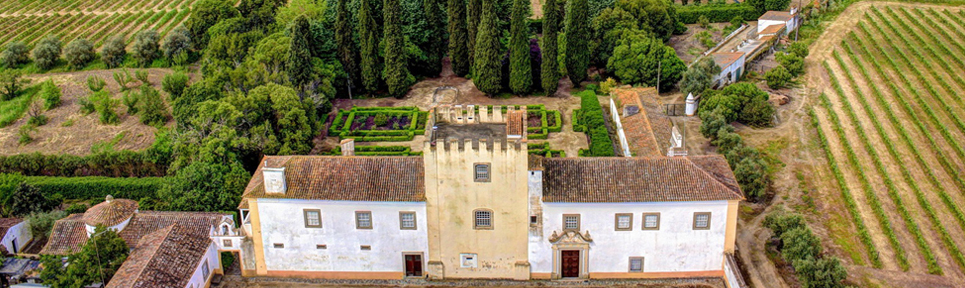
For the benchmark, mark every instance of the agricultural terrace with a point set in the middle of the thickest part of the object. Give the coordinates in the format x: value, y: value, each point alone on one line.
x: 890, y: 120
x: 95, y: 20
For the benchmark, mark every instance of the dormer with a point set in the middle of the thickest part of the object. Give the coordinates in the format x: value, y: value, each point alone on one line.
x: 274, y: 180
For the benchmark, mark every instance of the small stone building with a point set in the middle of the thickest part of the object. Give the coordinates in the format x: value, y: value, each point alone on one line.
x: 16, y: 234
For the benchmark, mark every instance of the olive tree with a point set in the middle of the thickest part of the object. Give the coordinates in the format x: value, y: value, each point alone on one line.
x: 47, y: 51
x: 145, y: 48
x: 78, y: 53
x: 14, y: 54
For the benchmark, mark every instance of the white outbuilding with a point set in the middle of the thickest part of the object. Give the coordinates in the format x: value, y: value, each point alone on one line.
x: 16, y: 234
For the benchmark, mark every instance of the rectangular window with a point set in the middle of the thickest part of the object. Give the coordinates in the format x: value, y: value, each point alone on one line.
x: 636, y: 264
x: 313, y: 218
x: 279, y: 245
x: 227, y: 242
x: 204, y: 270
x: 365, y: 248
x: 623, y: 222
x: 533, y: 220
x: 321, y: 246
x: 571, y: 221
x: 651, y: 221
x: 363, y: 220
x: 702, y: 221
x: 483, y: 220
x: 407, y: 220
x: 481, y: 172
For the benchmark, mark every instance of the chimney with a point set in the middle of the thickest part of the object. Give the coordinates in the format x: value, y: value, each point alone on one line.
x: 348, y: 147
x: 274, y: 179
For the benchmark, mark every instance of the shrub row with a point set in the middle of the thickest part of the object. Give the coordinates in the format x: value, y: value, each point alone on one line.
x: 920, y: 196
x: 800, y: 247
x: 849, y: 201
x: 379, y: 151
x: 909, y: 220
x: 942, y: 158
x: 112, y: 163
x: 590, y: 120
x: 909, y: 179
x: 342, y: 124
x: 543, y: 149
x: 716, y: 13
x: 96, y: 187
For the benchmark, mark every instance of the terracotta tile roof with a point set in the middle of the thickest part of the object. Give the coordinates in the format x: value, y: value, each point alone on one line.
x: 350, y: 178
x: 7, y: 223
x: 647, y: 132
x: 656, y: 179
x: 724, y: 59
x: 166, y: 257
x: 110, y: 212
x: 146, y: 222
x: 773, y: 29
x: 515, y: 124
x: 67, y: 236
x: 776, y: 16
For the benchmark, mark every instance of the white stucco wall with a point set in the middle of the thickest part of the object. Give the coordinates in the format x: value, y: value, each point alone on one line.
x: 732, y: 68
x: 282, y: 221
x: 21, y: 233
x: 763, y: 24
x: 676, y: 247
x: 211, y: 257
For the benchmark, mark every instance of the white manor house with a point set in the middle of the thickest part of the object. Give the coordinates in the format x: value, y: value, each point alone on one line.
x: 477, y: 206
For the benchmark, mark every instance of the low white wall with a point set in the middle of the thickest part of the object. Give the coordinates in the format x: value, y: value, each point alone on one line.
x: 676, y: 247
x: 20, y: 232
x: 282, y: 221
x: 214, y: 262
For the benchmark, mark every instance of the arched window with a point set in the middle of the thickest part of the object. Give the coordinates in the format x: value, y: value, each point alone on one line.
x: 482, y: 219
x: 224, y: 229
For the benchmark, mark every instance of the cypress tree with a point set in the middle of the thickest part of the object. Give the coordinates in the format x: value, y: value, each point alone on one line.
x: 487, y: 68
x: 473, y: 12
x: 458, y: 44
x: 369, y: 39
x: 577, y: 33
x: 550, y: 64
x: 397, y: 75
x: 520, y: 71
x: 300, y: 55
x: 347, y: 50
x: 437, y: 28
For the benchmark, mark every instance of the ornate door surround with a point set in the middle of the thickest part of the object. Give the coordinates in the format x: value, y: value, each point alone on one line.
x: 569, y: 241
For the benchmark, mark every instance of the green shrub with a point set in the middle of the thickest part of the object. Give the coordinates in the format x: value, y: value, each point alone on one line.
x: 703, y: 21
x: 15, y: 54
x: 50, y: 93
x: 145, y: 48
x: 381, y: 119
x: 778, y: 77
x: 153, y: 110
x: 47, y: 52
x: 78, y: 53
x: 96, y: 188
x: 798, y: 48
x: 123, y: 78
x: 113, y: 52
x: 793, y: 63
x: 105, y: 107
x: 95, y: 84
x: 24, y: 134
x: 174, y: 84
x: 131, y: 100
x: 124, y: 163
x: 11, y: 84
x: 142, y: 76
x: 76, y: 208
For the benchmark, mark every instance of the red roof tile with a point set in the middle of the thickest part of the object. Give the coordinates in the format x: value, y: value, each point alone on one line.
x: 110, y: 212
x: 657, y: 179
x: 773, y: 29
x: 724, y: 59
x: 166, y: 257
x: 69, y: 234
x: 350, y: 178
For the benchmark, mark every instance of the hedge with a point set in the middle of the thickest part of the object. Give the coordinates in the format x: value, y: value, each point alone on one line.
x: 97, y: 187
x: 716, y: 13
x: 122, y: 163
x: 342, y: 124
x: 590, y: 120
x: 379, y: 151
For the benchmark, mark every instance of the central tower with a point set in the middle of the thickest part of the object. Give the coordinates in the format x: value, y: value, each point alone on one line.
x: 476, y: 192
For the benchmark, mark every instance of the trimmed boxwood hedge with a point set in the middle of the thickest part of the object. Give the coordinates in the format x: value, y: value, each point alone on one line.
x: 97, y: 187
x: 379, y: 151
x: 590, y: 120
x: 716, y: 13
x: 342, y: 125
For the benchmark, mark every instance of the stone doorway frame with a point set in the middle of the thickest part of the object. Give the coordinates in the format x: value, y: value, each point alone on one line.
x: 571, y: 240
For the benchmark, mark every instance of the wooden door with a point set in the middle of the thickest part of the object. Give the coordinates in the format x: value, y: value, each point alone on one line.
x: 570, y: 263
x: 413, y: 265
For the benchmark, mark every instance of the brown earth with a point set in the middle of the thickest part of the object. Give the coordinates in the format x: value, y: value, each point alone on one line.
x: 57, y: 137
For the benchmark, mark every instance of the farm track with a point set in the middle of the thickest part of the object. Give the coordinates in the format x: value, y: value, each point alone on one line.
x: 893, y: 123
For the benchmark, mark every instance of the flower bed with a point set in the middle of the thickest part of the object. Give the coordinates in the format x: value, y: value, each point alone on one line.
x: 373, y: 124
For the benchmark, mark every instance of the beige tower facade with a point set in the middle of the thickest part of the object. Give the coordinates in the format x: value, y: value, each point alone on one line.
x: 476, y: 194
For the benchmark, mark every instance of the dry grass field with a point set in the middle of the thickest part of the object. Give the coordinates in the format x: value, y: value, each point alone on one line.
x: 29, y: 21
x: 890, y: 115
